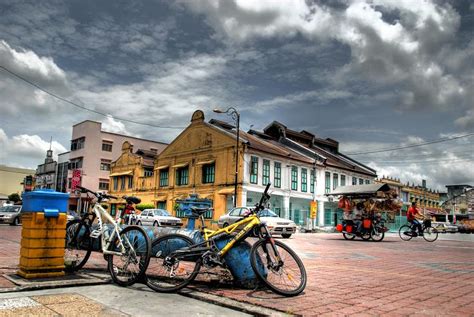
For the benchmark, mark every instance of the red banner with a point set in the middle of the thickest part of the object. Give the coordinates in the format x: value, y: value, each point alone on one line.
x: 76, y: 179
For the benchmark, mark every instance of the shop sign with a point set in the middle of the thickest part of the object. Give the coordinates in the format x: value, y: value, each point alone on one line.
x: 76, y: 179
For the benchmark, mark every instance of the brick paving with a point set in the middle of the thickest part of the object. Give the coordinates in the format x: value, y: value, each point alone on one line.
x: 357, y: 278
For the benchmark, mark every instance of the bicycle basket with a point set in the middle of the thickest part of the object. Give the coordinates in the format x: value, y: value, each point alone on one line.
x: 427, y: 222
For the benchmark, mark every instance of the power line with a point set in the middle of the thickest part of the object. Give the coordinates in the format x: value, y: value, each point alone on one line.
x: 82, y: 107
x: 414, y: 145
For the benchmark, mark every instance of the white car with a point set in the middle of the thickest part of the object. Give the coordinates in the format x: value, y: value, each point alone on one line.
x: 157, y: 218
x: 444, y: 227
x: 276, y: 225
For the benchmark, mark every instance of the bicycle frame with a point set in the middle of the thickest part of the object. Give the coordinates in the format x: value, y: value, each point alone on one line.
x: 101, y: 231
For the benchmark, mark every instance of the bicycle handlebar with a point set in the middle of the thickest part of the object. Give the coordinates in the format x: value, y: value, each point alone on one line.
x: 98, y: 195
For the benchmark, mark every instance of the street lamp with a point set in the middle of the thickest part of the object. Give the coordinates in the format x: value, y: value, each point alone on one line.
x: 231, y: 111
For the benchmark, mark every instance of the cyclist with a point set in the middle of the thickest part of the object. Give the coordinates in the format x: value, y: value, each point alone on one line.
x: 411, y: 217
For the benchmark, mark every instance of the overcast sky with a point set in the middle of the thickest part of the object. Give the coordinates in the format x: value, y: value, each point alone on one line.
x: 370, y: 74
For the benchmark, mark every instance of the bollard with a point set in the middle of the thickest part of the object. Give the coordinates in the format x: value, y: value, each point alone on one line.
x: 43, y: 233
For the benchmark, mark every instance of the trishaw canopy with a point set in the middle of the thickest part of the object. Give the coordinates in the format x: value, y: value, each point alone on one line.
x: 360, y: 191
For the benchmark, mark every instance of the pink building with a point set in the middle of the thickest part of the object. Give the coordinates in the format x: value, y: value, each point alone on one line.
x: 92, y: 151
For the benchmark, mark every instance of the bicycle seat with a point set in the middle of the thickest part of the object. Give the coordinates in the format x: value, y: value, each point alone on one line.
x: 199, y: 211
x: 132, y: 199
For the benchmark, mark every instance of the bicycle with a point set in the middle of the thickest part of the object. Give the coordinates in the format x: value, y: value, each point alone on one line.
x: 127, y: 251
x: 178, y: 259
x: 408, y: 231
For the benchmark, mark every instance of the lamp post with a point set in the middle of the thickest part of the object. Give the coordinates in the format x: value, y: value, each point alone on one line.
x: 231, y: 111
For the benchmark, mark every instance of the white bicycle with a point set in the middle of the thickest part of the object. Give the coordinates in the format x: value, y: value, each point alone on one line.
x: 127, y: 250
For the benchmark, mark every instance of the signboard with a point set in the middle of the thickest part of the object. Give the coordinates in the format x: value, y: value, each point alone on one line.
x: 313, y: 209
x: 76, y: 179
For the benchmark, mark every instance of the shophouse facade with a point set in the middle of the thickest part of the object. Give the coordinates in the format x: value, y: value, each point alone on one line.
x: 201, y: 160
x: 92, y: 152
x: 62, y: 172
x: 45, y: 176
x: 427, y: 199
x: 132, y: 174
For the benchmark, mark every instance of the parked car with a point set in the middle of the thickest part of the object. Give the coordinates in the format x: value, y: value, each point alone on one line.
x: 10, y: 214
x: 276, y: 224
x: 157, y: 218
x: 443, y: 227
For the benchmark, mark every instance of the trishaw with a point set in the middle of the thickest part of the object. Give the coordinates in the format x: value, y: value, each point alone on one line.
x: 362, y: 207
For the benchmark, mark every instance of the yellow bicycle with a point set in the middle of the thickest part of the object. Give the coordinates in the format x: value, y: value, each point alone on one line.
x: 176, y: 259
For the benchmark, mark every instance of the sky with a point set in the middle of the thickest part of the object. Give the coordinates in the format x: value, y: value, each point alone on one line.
x: 370, y: 74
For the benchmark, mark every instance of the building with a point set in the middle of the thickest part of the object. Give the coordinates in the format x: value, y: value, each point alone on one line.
x: 45, y: 176
x: 460, y: 199
x: 62, y: 172
x: 426, y: 199
x: 12, y: 181
x: 92, y: 152
x: 301, y: 168
x: 132, y: 174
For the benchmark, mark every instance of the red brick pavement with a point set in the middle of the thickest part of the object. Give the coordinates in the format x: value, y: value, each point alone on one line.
x: 389, y: 278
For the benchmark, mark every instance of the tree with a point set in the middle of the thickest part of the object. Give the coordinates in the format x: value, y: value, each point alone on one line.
x: 14, y: 197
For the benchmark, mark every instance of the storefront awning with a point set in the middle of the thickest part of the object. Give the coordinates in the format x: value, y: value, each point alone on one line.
x: 121, y: 173
x: 162, y: 167
x: 226, y: 191
x: 205, y: 162
x: 180, y: 165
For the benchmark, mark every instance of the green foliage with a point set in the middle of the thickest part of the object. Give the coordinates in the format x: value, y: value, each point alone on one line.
x: 14, y: 197
x: 143, y: 206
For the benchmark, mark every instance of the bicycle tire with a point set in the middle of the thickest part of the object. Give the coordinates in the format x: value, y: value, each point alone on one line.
x: 137, y: 252
x: 78, y: 245
x: 262, y: 252
x: 430, y: 234
x: 159, y: 275
x: 348, y: 236
x: 377, y: 235
x: 401, y: 233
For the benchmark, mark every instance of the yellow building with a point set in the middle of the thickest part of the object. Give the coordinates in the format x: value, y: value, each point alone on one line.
x: 12, y: 180
x: 425, y: 198
x: 201, y: 160
x: 132, y: 175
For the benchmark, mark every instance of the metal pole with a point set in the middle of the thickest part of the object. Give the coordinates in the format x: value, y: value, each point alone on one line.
x: 237, y: 159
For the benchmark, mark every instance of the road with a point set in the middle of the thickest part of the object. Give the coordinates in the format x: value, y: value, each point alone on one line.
x: 391, y: 277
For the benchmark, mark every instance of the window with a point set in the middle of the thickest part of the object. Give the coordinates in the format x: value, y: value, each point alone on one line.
x: 208, y: 173
x: 161, y: 205
x: 164, y: 177
x: 182, y: 176
x: 148, y: 171
x: 304, y: 180
x: 107, y: 146
x: 354, y: 180
x: 122, y: 182
x: 343, y: 180
x: 130, y: 181
x: 266, y: 172
x: 311, y: 180
x: 361, y: 181
x: 335, y: 180
x: 253, y: 170
x: 75, y: 163
x: 103, y: 184
x: 78, y: 144
x: 277, y: 175
x: 367, y: 181
x: 105, y: 165
x: 327, y: 184
x: 294, y: 178
x: 115, y: 180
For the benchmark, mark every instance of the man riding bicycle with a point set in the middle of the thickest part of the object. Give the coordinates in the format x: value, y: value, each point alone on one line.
x: 412, y: 214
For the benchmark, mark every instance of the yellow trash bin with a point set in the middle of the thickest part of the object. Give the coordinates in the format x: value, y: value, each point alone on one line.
x: 43, y: 234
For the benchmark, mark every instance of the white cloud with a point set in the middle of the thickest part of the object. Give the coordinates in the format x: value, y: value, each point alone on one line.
x: 115, y: 126
x: 22, y: 150
x: 467, y: 121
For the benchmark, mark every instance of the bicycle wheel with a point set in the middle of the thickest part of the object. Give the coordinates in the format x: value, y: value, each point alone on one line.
x: 348, y: 236
x: 377, y: 234
x: 171, y: 274
x: 78, y: 245
x: 130, y: 266
x: 405, y: 233
x: 286, y: 278
x: 430, y: 234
